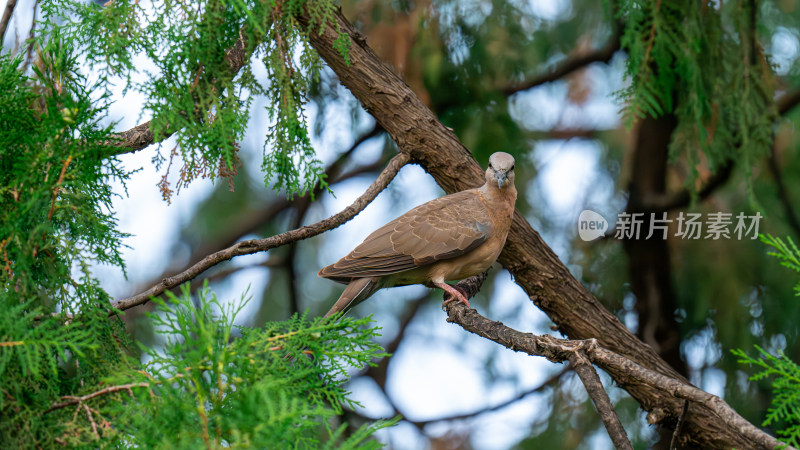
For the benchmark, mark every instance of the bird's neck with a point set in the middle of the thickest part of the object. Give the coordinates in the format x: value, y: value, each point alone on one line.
x: 506, y: 195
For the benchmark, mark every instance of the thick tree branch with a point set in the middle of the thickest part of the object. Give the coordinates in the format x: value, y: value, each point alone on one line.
x: 259, y: 245
x: 135, y: 139
x: 533, y: 264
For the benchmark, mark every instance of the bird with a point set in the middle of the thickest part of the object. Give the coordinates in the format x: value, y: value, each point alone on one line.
x: 446, y: 239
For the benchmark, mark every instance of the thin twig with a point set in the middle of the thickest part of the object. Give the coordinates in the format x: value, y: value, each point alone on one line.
x: 548, y: 382
x: 251, y: 222
x: 599, y: 397
x: 420, y: 424
x: 259, y: 245
x: 91, y: 419
x: 674, y: 442
x: 77, y: 400
x: 58, y: 187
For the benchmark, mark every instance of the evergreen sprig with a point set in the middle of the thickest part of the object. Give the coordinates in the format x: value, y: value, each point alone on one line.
x: 55, y: 180
x: 55, y: 220
x: 217, y: 384
x: 193, y: 87
x: 787, y: 252
x: 784, y: 413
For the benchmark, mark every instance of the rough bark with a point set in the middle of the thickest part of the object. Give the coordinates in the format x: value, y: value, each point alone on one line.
x: 533, y: 264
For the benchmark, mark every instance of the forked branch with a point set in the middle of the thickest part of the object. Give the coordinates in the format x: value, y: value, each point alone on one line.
x: 560, y: 350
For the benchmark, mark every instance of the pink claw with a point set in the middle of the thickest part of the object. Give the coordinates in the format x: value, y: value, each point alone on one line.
x: 456, y: 294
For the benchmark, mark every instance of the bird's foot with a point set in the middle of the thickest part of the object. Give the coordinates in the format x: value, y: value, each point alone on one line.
x: 456, y: 294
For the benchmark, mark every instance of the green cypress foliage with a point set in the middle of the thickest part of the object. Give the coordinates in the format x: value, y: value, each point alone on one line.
x: 216, y: 384
x: 703, y: 64
x: 784, y: 413
x: 195, y: 86
x: 69, y: 374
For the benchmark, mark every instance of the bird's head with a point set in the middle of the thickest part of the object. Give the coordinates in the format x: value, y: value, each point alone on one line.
x: 501, y: 170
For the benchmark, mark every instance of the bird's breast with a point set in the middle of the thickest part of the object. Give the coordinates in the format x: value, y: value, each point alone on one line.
x: 468, y: 264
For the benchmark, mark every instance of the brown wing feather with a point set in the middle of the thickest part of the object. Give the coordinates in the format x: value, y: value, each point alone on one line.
x: 444, y: 228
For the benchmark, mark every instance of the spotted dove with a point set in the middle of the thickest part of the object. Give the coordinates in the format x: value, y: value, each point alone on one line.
x: 448, y: 238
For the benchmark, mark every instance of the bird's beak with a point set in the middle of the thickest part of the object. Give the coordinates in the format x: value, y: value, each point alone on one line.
x: 501, y: 178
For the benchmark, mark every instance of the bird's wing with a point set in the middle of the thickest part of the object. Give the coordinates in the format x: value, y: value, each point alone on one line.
x: 444, y: 228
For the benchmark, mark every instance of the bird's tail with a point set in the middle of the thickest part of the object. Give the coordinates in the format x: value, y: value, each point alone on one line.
x: 356, y: 292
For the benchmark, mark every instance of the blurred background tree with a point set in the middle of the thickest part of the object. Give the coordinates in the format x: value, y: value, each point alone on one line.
x: 686, y: 107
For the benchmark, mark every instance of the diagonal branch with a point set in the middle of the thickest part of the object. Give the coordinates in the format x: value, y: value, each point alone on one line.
x: 548, y: 382
x: 253, y: 221
x: 259, y: 245
x: 599, y: 396
x: 6, y: 18
x: 420, y: 424
x: 567, y: 66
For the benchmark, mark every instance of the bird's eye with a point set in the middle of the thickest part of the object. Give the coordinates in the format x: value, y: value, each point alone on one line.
x: 491, y: 166
x: 512, y: 167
